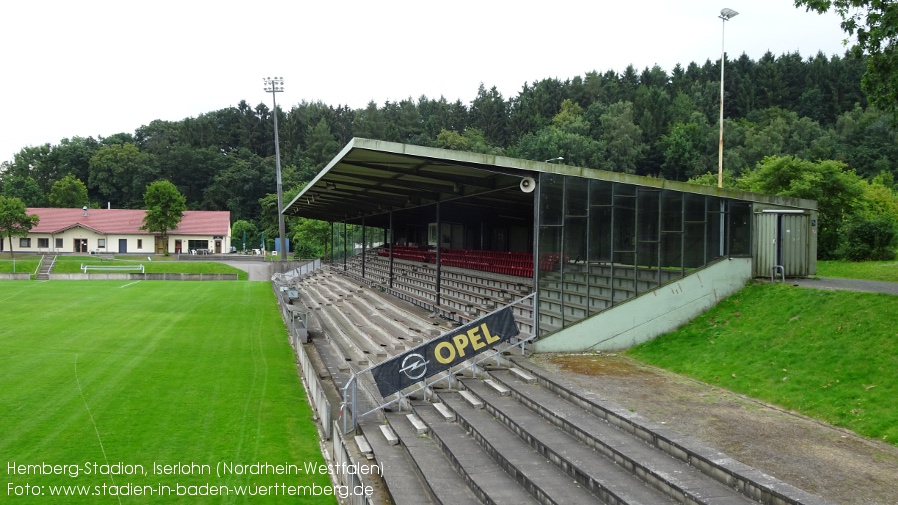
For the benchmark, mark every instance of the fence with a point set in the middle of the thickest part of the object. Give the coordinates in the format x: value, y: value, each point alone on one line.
x: 314, y: 390
x: 351, y: 480
x: 297, y: 273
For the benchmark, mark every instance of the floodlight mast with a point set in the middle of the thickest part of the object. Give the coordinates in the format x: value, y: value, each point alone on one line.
x: 276, y: 85
x: 725, y: 14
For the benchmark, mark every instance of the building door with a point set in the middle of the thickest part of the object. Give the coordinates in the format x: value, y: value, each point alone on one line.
x: 783, y: 241
x: 161, y: 245
x: 80, y: 245
x: 218, y: 247
x: 122, y: 245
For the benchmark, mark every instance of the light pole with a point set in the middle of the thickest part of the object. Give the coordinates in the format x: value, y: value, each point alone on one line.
x: 725, y: 15
x: 276, y: 85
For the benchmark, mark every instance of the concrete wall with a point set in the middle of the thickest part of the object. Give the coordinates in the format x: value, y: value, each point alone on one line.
x: 142, y: 277
x: 654, y: 313
x: 15, y: 277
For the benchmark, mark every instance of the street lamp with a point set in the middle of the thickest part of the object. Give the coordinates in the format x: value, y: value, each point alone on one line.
x: 725, y: 15
x: 276, y: 85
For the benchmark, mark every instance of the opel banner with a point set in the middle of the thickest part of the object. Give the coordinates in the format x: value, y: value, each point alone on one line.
x: 444, y: 352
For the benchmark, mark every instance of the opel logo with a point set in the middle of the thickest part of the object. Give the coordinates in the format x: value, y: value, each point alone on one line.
x: 414, y: 366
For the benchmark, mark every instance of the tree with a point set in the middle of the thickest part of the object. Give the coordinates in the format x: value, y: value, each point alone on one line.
x: 839, y: 192
x: 244, y: 232
x: 14, y: 219
x: 120, y: 172
x: 165, y: 207
x: 68, y: 192
x: 621, y: 139
x: 25, y: 189
x: 873, y: 22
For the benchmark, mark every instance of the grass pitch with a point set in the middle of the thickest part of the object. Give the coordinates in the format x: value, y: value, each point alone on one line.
x: 107, y: 381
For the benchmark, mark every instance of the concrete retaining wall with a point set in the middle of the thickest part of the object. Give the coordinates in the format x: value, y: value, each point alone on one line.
x: 142, y: 277
x: 15, y: 277
x: 654, y: 313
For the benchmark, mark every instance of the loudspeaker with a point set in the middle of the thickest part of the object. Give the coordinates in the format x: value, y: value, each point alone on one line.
x: 528, y: 184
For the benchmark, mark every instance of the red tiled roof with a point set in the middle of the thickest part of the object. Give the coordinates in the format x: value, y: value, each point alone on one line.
x: 128, y: 221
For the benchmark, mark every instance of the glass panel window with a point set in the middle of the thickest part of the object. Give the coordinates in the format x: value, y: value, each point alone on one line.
x: 43, y: 243
x: 101, y: 243
x: 551, y: 199
x: 24, y: 242
x: 59, y: 243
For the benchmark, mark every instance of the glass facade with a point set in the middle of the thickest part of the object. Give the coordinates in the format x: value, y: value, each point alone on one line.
x: 601, y: 243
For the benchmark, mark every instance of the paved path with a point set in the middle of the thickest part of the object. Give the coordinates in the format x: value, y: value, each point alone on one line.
x: 257, y: 270
x: 848, y: 284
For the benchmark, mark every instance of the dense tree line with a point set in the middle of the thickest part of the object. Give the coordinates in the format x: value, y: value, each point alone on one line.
x: 647, y: 122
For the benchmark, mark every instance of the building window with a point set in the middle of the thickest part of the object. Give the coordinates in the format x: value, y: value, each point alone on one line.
x: 43, y: 243
x: 59, y: 243
x: 25, y: 242
x: 198, y: 245
x: 101, y: 243
x: 140, y: 243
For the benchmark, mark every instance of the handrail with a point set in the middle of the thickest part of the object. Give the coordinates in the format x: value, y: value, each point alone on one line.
x: 350, y: 395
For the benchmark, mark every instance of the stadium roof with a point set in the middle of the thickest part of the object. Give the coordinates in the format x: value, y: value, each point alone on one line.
x: 370, y: 178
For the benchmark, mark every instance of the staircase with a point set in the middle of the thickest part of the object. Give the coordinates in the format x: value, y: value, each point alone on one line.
x: 44, y: 273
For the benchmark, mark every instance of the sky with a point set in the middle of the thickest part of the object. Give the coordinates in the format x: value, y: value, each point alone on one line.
x: 94, y: 68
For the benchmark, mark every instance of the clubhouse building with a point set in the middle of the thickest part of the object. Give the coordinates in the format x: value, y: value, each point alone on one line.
x: 117, y: 231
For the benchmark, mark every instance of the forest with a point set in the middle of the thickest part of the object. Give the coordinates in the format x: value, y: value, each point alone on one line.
x: 793, y: 126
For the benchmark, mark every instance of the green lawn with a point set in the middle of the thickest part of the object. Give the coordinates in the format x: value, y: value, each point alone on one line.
x: 144, y: 373
x: 831, y: 355
x: 17, y: 264
x: 866, y: 270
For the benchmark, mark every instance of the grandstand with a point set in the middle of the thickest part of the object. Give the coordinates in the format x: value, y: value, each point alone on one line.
x: 427, y: 242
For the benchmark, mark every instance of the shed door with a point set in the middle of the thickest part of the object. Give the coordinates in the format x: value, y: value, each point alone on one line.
x: 783, y: 240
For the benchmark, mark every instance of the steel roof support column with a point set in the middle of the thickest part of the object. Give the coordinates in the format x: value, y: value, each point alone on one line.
x: 390, y: 249
x: 439, y: 239
x: 536, y: 229
x: 364, y: 245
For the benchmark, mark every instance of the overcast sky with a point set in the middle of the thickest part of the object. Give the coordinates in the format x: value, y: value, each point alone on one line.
x: 96, y: 68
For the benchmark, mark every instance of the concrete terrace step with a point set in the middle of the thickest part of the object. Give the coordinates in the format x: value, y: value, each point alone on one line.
x: 443, y: 484
x: 752, y: 483
x: 482, y: 475
x: 600, y: 455
x: 530, y: 469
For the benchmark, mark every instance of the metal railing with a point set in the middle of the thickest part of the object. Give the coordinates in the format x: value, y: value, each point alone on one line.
x: 350, y: 390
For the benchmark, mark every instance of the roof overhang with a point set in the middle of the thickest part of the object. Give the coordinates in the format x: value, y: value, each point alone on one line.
x: 369, y: 179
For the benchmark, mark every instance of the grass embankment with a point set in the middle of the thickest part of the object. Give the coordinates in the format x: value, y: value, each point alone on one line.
x: 866, y: 270
x: 24, y: 264
x: 831, y: 355
x: 144, y: 373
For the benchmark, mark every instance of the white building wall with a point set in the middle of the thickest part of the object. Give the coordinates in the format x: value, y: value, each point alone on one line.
x: 135, y: 244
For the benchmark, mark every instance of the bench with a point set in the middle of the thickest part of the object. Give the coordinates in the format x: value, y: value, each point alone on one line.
x: 112, y: 268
